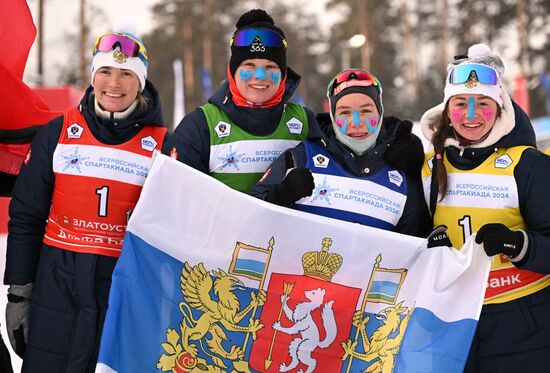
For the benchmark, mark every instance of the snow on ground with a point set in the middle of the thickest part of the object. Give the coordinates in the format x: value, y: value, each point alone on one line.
x: 15, y: 360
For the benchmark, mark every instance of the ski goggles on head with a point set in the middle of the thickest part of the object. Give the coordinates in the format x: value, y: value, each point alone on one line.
x: 128, y: 45
x: 269, y: 38
x: 352, y: 78
x: 484, y: 74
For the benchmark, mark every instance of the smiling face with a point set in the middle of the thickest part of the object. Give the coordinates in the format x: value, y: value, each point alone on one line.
x: 258, y: 79
x: 115, y: 89
x: 356, y: 116
x: 472, y: 116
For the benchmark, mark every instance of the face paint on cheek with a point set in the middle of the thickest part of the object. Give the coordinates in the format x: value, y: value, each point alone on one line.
x: 456, y: 115
x: 488, y: 114
x: 342, y: 123
x: 275, y: 77
x: 471, y: 108
x: 356, y: 118
x: 260, y: 73
x: 245, y: 74
x: 372, y: 123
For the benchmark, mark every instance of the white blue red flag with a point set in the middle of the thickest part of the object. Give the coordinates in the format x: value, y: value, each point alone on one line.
x: 214, y: 280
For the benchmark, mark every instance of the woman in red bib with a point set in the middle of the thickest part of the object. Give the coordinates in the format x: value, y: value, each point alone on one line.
x: 486, y: 177
x: 71, y: 202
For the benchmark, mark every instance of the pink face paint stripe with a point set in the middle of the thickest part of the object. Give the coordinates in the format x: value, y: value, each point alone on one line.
x: 488, y: 114
x: 456, y: 114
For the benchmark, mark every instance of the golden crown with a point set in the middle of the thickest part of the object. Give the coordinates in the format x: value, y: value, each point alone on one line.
x: 321, y: 264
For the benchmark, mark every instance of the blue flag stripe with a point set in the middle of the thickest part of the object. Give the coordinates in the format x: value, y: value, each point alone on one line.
x: 384, y: 287
x: 250, y: 266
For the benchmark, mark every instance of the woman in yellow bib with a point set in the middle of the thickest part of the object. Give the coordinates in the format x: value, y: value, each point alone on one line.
x: 485, y: 176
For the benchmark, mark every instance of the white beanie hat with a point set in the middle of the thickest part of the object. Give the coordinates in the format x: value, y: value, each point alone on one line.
x: 116, y: 58
x: 479, y: 54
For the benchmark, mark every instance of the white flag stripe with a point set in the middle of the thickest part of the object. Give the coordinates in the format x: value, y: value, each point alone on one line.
x: 251, y: 254
x: 208, y: 209
x: 381, y: 275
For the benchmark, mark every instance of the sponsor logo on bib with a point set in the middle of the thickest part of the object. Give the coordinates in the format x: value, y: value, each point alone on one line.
x: 503, y: 161
x: 74, y: 131
x: 148, y: 143
x: 321, y: 161
x: 294, y: 125
x: 223, y: 129
x: 395, y: 177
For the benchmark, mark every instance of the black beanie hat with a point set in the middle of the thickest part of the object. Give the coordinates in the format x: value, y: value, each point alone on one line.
x: 257, y: 18
x: 370, y: 91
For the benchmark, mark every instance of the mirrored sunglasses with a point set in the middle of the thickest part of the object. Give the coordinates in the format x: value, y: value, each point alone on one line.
x: 351, y: 78
x: 128, y: 45
x: 269, y: 38
x: 484, y: 74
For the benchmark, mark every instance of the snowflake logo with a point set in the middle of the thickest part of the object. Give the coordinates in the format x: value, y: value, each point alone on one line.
x: 74, y: 160
x: 323, y: 191
x: 231, y: 159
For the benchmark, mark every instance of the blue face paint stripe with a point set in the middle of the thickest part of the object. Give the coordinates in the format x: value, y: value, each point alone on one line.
x: 260, y: 73
x: 356, y: 118
x: 245, y: 74
x: 275, y: 76
x: 370, y: 127
x: 471, y: 107
x: 344, y: 127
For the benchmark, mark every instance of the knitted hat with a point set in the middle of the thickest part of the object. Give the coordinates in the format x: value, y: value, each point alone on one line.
x: 116, y: 57
x: 257, y: 19
x: 478, y: 54
x: 356, y: 83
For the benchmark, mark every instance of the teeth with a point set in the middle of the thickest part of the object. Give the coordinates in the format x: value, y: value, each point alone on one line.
x: 472, y: 125
x: 113, y: 95
x: 259, y: 86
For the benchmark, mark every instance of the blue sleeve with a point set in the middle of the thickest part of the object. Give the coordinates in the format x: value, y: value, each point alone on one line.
x: 416, y: 220
x: 191, y: 141
x: 30, y: 206
x: 533, y: 179
x: 277, y: 172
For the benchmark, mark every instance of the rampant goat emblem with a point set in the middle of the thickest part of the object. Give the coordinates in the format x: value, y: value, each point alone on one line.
x: 379, y: 346
x: 216, y: 317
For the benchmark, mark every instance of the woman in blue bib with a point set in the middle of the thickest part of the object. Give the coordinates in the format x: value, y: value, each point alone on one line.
x: 485, y: 176
x: 363, y: 168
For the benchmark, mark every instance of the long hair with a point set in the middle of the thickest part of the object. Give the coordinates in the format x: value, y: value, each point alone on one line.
x: 442, y: 132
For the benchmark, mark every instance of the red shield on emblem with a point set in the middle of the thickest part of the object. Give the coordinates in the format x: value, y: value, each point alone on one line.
x: 304, y: 328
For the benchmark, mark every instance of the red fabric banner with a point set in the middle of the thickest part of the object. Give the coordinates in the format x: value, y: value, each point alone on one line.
x: 20, y: 108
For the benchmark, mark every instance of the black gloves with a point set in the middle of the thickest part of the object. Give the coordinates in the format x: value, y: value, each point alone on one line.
x: 297, y: 184
x: 499, y: 239
x: 439, y: 237
x: 17, y: 316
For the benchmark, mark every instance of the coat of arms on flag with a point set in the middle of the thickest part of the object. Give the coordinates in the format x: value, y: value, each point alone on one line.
x: 307, y: 317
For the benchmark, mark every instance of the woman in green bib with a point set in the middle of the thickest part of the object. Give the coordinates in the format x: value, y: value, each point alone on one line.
x: 486, y: 177
x: 249, y: 120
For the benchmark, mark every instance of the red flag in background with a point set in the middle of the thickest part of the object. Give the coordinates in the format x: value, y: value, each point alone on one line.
x: 22, y: 112
x: 17, y: 33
